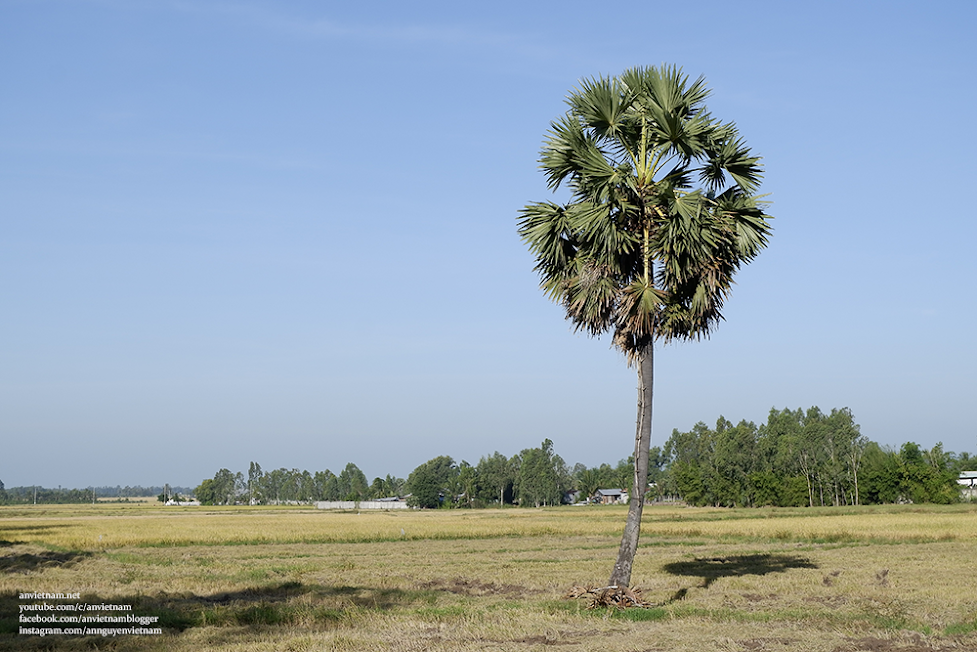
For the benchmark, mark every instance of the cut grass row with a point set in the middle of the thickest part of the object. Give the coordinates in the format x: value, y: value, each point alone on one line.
x: 97, y: 528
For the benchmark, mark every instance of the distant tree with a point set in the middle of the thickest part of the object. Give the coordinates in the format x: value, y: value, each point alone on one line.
x: 298, y: 486
x: 270, y: 486
x: 497, y: 476
x: 543, y: 477
x: 394, y: 485
x: 254, y: 481
x: 353, y: 484
x: 587, y: 481
x: 466, y: 484
x: 656, y: 465
x: 623, y: 475
x: 690, y: 461
x: 386, y: 487
x: 430, y: 481
x: 376, y: 488
x: 326, y: 485
x: 733, y: 460
x: 206, y: 492
x: 963, y: 462
x: 797, y: 458
x: 926, y: 476
x: 227, y: 486
x: 880, y: 477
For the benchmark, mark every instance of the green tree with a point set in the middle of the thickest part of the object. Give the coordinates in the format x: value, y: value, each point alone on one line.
x: 497, y: 474
x: 254, y: 478
x: 326, y: 485
x: 690, y: 463
x: 962, y: 462
x: 466, y: 485
x: 271, y: 484
x: 376, y: 489
x: 663, y: 213
x: 543, y: 476
x: 386, y: 487
x: 296, y: 486
x: 656, y: 469
x: 353, y: 484
x: 926, y: 476
x: 431, y: 482
x: 733, y: 460
x: 623, y: 475
x: 587, y: 482
x: 206, y: 493
x: 226, y: 486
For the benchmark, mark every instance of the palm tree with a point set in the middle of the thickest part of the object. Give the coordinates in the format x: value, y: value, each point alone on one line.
x: 662, y: 213
x: 588, y: 482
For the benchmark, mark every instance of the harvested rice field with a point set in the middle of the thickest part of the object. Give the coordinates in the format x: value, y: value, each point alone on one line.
x: 899, y: 578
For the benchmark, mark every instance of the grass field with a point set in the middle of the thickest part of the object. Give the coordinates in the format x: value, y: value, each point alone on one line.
x: 900, y: 578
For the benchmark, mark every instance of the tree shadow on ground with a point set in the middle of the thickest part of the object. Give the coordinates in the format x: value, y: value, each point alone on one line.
x: 312, y: 606
x: 358, y: 596
x: 713, y: 568
x: 27, y: 562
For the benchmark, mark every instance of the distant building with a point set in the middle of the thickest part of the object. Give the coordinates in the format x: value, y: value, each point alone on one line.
x: 392, y: 502
x: 609, y: 496
x: 969, y: 481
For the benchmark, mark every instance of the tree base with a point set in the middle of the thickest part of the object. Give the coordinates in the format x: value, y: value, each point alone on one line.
x: 620, y: 597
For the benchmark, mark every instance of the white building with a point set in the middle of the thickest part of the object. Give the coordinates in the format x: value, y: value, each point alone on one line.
x: 969, y: 481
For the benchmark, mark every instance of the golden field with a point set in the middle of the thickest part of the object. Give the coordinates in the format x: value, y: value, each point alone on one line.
x: 897, y: 578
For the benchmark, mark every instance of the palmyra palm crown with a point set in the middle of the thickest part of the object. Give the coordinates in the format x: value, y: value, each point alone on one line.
x: 642, y: 250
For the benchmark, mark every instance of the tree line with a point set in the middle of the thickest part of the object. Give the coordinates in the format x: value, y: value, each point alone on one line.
x: 283, y: 486
x: 535, y: 476
x: 800, y: 458
x: 47, y: 496
x: 797, y: 458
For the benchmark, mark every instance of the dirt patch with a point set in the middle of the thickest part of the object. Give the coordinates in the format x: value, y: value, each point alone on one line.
x: 766, y: 643
x: 916, y: 644
x: 828, y: 600
x: 470, y: 587
x: 540, y: 640
x: 756, y: 597
x: 559, y: 638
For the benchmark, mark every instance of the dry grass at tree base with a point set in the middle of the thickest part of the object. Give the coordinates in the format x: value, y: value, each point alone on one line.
x: 893, y: 579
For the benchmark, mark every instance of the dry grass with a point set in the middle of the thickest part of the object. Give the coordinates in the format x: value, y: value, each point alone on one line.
x: 96, y: 527
x: 894, y: 579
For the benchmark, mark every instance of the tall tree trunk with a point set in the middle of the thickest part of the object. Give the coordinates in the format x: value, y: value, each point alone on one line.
x: 621, y: 576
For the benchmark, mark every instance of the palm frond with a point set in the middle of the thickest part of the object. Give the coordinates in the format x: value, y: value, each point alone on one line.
x: 601, y: 105
x: 545, y: 227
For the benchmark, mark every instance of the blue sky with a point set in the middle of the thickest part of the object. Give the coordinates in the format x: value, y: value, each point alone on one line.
x: 286, y: 231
